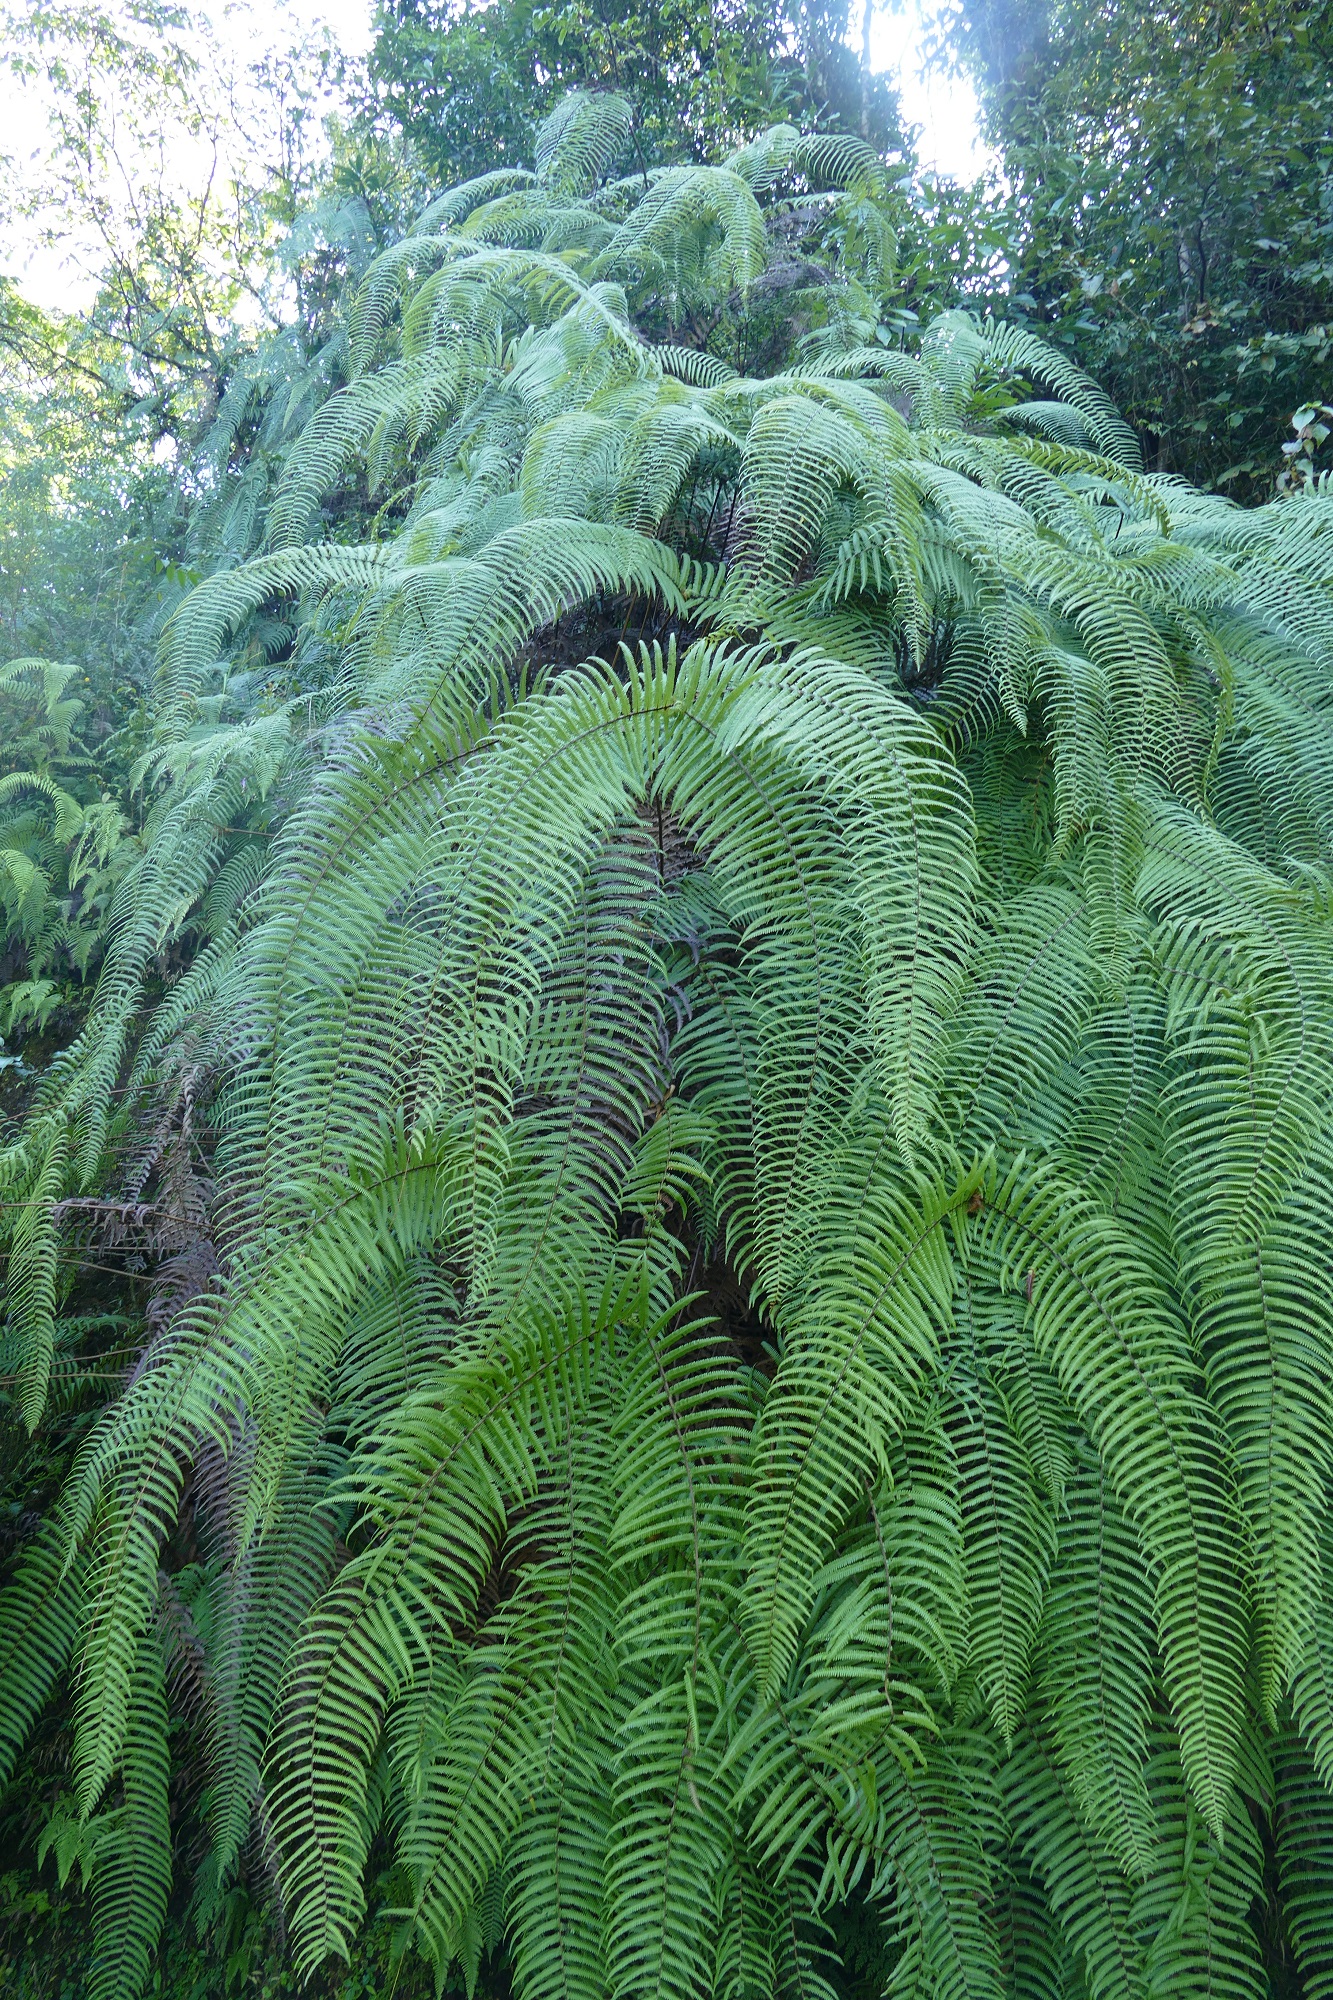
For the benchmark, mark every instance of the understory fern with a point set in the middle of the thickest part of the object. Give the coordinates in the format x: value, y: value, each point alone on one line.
x: 751, y: 1031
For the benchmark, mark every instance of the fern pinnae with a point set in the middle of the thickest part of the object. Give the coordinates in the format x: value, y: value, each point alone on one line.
x: 1008, y: 1535
x: 1189, y: 1540
x: 132, y: 1868
x: 1100, y: 1668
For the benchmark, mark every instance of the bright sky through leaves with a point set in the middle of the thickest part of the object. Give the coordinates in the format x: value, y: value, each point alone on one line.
x: 943, y: 107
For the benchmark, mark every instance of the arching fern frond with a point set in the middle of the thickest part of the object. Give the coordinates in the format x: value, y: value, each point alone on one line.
x: 581, y: 138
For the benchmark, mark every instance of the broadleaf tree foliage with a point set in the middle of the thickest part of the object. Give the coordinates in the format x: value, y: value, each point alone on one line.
x: 726, y: 1072
x: 1167, y: 170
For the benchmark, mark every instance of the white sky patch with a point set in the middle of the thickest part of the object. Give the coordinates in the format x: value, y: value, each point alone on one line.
x: 350, y: 20
x: 944, y: 108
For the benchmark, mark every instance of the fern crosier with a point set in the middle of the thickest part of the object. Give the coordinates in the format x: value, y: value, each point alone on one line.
x: 769, y: 1013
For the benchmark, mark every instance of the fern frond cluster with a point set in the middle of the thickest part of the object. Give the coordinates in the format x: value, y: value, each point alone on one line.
x: 762, y: 1005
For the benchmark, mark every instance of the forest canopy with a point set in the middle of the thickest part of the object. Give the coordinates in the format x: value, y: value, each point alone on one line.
x: 666, y: 840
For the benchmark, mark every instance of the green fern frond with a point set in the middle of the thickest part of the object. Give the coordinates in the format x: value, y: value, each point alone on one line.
x: 1099, y: 1668
x: 132, y: 1869
x: 457, y: 203
x: 698, y: 229
x: 1305, y: 1856
x: 581, y: 138
x: 1125, y: 1366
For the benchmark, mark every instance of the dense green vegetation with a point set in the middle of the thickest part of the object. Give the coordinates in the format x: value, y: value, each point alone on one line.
x: 468, y: 85
x: 1172, y: 214
x: 667, y: 1003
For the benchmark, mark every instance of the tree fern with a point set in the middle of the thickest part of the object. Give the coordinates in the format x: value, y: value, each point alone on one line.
x: 751, y: 1054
